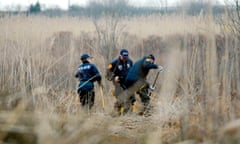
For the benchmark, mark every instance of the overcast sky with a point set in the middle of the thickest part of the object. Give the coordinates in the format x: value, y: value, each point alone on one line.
x: 9, y: 4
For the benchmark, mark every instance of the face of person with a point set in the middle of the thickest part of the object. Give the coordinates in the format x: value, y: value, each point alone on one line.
x: 123, y: 58
x: 90, y: 59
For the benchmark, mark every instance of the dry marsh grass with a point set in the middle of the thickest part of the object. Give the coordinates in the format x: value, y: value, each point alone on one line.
x: 196, y: 97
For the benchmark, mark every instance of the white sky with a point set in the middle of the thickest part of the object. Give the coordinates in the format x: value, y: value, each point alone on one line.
x: 11, y: 4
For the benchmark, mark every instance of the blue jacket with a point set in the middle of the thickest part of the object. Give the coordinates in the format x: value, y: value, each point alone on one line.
x: 120, y: 68
x: 139, y: 71
x: 87, y: 74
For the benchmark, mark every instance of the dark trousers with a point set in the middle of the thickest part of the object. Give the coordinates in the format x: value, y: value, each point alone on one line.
x: 145, y: 98
x: 117, y: 104
x: 87, y: 98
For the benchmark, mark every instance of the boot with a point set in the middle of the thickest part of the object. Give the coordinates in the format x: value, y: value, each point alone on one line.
x: 146, y: 110
x: 127, y: 108
x: 117, y: 110
x: 133, y: 109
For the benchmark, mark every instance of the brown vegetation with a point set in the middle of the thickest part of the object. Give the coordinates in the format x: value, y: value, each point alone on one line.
x: 197, y: 94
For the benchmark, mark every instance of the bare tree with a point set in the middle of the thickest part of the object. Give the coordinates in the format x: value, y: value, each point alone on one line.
x: 231, y: 32
x: 233, y: 12
x: 108, y: 28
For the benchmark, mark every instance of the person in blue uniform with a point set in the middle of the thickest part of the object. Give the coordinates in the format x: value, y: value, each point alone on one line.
x: 138, y: 73
x: 116, y: 72
x: 87, y: 73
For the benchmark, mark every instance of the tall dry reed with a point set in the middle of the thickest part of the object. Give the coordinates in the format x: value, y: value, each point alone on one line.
x: 196, y: 94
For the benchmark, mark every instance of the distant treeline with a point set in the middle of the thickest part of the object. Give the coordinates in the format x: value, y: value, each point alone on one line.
x: 121, y: 8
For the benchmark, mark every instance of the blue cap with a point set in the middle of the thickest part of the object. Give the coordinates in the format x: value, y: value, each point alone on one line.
x: 85, y: 56
x: 124, y: 53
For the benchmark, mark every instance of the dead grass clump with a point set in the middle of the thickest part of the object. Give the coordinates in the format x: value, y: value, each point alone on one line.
x: 230, y: 132
x: 197, y: 93
x: 17, y: 127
